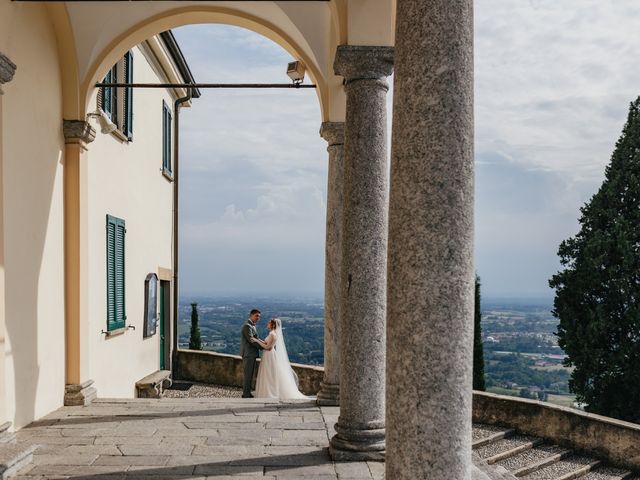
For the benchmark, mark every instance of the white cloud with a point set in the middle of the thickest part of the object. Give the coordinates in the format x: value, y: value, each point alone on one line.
x: 253, y: 169
x: 553, y: 83
x: 554, y: 79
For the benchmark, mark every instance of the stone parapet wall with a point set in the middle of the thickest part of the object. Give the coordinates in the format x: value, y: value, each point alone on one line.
x: 223, y: 369
x: 608, y: 439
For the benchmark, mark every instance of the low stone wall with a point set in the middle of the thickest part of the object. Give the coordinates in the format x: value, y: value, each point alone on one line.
x: 222, y: 369
x: 608, y: 439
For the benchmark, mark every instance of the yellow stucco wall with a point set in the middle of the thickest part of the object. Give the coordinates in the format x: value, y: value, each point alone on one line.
x: 33, y: 215
x: 60, y: 50
x: 124, y: 179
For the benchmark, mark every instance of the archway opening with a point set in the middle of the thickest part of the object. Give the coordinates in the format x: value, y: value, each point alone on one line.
x: 252, y: 196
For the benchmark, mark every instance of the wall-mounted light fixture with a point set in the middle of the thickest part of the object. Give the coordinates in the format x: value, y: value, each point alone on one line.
x: 106, y: 125
x: 295, y: 71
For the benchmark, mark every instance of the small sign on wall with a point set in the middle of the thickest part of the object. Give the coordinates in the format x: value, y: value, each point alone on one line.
x: 150, y: 305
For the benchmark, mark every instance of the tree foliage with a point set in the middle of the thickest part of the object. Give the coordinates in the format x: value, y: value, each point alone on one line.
x: 598, y: 288
x: 195, y: 342
x: 478, y: 354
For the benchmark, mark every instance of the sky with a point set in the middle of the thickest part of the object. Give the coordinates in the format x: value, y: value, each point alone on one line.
x: 553, y: 81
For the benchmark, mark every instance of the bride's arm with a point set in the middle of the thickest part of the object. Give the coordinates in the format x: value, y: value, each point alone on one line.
x: 267, y: 343
x: 259, y: 343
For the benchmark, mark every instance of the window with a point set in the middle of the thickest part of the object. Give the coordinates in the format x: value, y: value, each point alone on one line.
x: 166, y: 139
x: 117, y: 102
x: 116, y: 314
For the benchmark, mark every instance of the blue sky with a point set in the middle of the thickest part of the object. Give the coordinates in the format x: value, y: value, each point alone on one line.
x: 553, y: 84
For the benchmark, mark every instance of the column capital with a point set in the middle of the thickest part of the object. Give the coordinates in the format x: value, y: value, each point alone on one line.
x: 359, y: 62
x: 7, y: 70
x: 78, y: 131
x: 332, y: 132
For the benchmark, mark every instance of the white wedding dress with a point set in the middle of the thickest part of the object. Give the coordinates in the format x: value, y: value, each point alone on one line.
x: 276, y: 378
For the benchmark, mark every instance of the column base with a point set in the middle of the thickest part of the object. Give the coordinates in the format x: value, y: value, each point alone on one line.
x: 79, y: 394
x: 329, y: 395
x: 351, y: 444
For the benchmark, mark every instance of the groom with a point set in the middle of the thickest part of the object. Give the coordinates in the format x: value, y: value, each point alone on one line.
x: 249, y: 350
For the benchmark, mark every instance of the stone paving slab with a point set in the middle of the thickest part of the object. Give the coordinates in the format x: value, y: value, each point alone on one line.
x: 187, y: 438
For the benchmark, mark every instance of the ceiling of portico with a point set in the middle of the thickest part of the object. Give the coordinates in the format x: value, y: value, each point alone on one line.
x: 309, y: 30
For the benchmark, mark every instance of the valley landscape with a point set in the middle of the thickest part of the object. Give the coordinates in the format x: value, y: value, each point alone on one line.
x: 521, y: 354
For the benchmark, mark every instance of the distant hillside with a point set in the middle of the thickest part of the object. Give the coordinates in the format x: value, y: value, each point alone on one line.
x: 222, y: 317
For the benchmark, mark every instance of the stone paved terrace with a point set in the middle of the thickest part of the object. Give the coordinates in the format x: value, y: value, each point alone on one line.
x: 196, y: 437
x: 188, y: 438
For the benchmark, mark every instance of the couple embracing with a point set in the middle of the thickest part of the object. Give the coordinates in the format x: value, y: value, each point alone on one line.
x: 276, y: 378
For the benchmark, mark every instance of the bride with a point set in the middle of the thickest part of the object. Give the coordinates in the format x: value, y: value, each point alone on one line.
x: 276, y: 378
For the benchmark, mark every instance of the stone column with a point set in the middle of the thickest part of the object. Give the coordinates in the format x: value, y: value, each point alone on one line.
x: 78, y: 391
x: 329, y: 394
x: 360, y: 428
x: 7, y: 70
x: 431, y: 272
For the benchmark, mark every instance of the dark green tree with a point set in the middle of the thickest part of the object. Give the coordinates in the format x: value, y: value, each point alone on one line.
x: 195, y: 342
x: 478, y: 354
x: 598, y: 288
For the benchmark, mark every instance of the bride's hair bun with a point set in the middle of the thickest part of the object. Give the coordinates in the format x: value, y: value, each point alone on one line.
x: 276, y: 322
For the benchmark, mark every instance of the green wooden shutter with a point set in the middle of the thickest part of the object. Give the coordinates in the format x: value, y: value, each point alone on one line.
x: 116, y: 311
x: 169, y: 127
x: 128, y: 96
x: 166, y: 138
x: 111, y: 273
x: 110, y: 95
x: 107, y: 93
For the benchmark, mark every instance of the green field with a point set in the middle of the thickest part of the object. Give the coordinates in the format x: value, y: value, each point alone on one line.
x: 504, y: 391
x: 553, y: 368
x: 563, y: 400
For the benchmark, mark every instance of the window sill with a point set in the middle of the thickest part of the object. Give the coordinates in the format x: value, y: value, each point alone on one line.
x: 167, y: 174
x: 120, y: 136
x: 117, y: 332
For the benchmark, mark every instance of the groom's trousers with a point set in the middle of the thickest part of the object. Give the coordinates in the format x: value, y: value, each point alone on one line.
x: 249, y: 364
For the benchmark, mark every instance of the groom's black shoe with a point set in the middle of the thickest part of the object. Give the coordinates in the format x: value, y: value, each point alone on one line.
x: 247, y: 396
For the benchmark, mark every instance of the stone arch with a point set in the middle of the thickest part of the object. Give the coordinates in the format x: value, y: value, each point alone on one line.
x: 71, y: 104
x: 203, y: 15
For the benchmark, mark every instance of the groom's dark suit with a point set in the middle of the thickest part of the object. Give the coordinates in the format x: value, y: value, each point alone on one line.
x: 249, y: 353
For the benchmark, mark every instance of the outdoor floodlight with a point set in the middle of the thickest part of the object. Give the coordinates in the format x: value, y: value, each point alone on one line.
x: 106, y: 125
x: 295, y: 71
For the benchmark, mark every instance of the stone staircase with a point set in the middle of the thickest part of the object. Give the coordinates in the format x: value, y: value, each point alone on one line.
x: 514, y: 456
x: 13, y: 457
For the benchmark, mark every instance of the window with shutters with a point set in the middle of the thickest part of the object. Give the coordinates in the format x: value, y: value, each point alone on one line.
x: 166, y: 140
x: 117, y: 102
x: 116, y: 312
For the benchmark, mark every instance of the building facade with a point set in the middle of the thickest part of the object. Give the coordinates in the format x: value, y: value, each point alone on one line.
x: 399, y: 249
x: 124, y: 232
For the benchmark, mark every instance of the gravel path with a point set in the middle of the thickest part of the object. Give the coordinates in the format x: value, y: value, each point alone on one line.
x: 605, y: 473
x: 501, y: 446
x: 483, y: 431
x: 201, y: 390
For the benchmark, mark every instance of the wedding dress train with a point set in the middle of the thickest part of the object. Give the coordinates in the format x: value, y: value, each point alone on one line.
x: 276, y: 378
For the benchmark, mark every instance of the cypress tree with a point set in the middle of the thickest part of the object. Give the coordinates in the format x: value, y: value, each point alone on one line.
x: 478, y: 353
x: 195, y: 342
x: 597, y: 297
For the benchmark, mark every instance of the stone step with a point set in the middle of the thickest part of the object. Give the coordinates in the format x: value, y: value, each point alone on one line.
x: 490, y: 471
x: 532, y: 459
x: 607, y: 473
x: 14, y: 458
x: 484, y: 434
x: 568, y: 468
x: 6, y: 436
x: 506, y: 447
